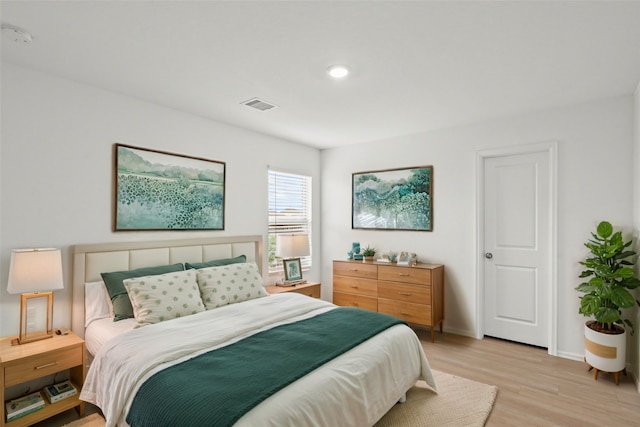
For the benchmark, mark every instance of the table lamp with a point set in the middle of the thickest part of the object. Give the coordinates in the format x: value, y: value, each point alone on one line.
x: 35, y: 273
x: 290, y: 247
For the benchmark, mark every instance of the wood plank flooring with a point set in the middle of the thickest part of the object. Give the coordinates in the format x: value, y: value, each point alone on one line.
x: 535, y: 389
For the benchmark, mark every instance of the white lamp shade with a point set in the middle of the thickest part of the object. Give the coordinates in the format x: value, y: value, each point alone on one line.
x: 35, y: 270
x: 292, y: 245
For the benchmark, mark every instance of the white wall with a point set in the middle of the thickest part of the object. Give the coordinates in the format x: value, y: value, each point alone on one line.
x: 594, y: 183
x: 56, y: 170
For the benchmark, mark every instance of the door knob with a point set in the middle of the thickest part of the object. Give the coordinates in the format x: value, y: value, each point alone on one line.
x: 488, y: 255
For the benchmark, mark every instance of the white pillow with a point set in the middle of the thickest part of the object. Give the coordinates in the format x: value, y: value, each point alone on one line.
x: 164, y: 297
x: 228, y: 284
x: 97, y: 304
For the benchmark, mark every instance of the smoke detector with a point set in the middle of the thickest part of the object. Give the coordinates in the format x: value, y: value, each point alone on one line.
x: 16, y: 34
x: 259, y: 104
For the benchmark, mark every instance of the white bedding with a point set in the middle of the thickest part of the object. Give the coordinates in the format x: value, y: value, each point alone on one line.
x: 339, y: 393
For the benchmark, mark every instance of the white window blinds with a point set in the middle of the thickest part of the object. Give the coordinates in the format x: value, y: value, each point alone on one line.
x: 289, y: 211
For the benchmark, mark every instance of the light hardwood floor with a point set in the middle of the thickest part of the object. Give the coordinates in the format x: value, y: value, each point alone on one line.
x: 535, y: 389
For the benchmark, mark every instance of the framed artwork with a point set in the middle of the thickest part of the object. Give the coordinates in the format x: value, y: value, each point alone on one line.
x: 393, y: 199
x: 155, y: 190
x: 292, y: 269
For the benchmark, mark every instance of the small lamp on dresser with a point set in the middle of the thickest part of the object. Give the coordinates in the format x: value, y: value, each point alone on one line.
x: 290, y: 247
x: 35, y: 274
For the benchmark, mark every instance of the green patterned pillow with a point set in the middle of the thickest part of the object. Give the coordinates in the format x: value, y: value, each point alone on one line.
x: 230, y: 284
x: 164, y: 297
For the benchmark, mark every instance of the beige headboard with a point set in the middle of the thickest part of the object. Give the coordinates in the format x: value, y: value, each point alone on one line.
x: 91, y: 260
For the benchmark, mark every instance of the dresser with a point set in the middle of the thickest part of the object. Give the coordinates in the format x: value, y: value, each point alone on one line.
x: 414, y: 294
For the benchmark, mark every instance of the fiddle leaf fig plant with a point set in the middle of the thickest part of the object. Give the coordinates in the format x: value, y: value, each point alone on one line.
x: 612, y: 278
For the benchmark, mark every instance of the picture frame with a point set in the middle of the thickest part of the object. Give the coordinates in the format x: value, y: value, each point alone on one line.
x: 292, y: 269
x: 157, y: 190
x: 393, y: 199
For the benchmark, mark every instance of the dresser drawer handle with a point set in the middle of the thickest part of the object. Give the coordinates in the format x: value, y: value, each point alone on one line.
x: 406, y: 294
x: 353, y: 286
x: 404, y: 313
x: 353, y: 269
x: 47, y: 365
x: 403, y: 274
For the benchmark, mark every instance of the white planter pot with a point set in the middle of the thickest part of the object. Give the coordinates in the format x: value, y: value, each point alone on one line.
x: 605, y: 352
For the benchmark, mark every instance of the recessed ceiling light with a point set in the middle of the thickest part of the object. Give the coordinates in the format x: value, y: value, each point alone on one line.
x: 338, y: 71
x: 16, y: 34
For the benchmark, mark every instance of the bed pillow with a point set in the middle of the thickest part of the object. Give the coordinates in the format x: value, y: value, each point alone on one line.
x: 215, y: 262
x: 230, y: 284
x: 164, y: 297
x: 118, y: 293
x: 97, y: 304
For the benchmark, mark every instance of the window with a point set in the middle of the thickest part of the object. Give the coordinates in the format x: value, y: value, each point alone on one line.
x: 289, y: 212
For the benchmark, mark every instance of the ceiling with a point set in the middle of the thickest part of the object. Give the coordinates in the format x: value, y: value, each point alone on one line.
x: 415, y: 66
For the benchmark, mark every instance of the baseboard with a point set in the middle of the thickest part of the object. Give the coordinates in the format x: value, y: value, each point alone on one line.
x: 462, y: 332
x: 572, y: 356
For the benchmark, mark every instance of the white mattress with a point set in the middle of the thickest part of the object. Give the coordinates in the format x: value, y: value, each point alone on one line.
x: 355, y: 389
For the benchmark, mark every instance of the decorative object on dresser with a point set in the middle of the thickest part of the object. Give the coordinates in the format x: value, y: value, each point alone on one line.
x: 310, y: 289
x: 368, y: 253
x: 412, y: 293
x: 35, y: 273
x: 393, y: 199
x: 290, y: 247
x: 605, y: 294
x: 21, y: 364
x: 156, y: 190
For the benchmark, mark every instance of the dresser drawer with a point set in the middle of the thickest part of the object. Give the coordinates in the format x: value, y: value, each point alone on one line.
x: 355, y: 269
x: 355, y: 285
x: 409, y: 312
x: 42, y: 364
x: 405, y: 292
x: 404, y: 274
x: 352, y: 300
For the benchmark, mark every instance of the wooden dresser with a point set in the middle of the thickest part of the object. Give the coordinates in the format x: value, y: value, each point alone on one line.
x: 414, y: 294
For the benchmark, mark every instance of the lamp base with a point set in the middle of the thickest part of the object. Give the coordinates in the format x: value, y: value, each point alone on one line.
x: 31, y: 338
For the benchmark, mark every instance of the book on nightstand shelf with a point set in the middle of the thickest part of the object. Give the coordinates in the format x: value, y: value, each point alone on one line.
x: 24, y: 405
x: 59, y: 391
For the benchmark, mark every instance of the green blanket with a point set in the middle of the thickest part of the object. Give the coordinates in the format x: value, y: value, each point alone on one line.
x: 217, y: 388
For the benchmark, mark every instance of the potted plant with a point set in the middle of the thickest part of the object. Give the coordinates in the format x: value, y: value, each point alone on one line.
x: 368, y: 253
x: 605, y: 295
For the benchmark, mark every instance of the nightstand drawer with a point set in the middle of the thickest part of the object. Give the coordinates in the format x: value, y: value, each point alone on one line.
x: 405, y: 292
x: 43, y: 364
x: 310, y: 291
x: 355, y: 285
x: 404, y: 274
x: 359, y: 301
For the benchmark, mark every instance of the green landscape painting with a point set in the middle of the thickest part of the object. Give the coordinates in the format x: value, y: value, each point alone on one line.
x: 163, y: 191
x: 394, y: 199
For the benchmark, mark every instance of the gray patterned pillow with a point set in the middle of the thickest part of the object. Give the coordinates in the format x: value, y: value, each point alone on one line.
x: 229, y: 284
x: 164, y: 297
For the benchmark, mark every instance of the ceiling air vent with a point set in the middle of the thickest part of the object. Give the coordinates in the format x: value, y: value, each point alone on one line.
x: 259, y: 104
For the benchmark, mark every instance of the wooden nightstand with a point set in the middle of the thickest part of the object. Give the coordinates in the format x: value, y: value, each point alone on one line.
x: 309, y: 289
x: 23, y: 363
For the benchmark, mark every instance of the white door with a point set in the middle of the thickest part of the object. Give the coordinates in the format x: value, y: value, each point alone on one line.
x: 517, y: 247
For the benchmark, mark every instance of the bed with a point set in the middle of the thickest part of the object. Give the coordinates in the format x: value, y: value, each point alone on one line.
x: 231, y: 357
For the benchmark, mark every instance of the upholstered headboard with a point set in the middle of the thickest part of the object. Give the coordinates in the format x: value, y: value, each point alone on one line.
x: 91, y: 260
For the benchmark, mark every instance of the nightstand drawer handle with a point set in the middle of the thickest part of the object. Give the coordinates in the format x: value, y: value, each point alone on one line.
x: 404, y: 313
x: 403, y: 274
x: 47, y: 365
x: 406, y: 294
x: 353, y: 286
x: 353, y: 269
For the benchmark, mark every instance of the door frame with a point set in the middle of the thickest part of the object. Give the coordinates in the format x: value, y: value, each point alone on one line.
x: 551, y: 149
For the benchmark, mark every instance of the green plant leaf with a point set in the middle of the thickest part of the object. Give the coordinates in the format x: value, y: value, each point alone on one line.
x: 586, y: 288
x: 607, y: 314
x: 605, y: 229
x: 622, y: 297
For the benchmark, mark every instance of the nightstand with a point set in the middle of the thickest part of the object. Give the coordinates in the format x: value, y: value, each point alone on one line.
x: 26, y: 362
x: 310, y: 289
